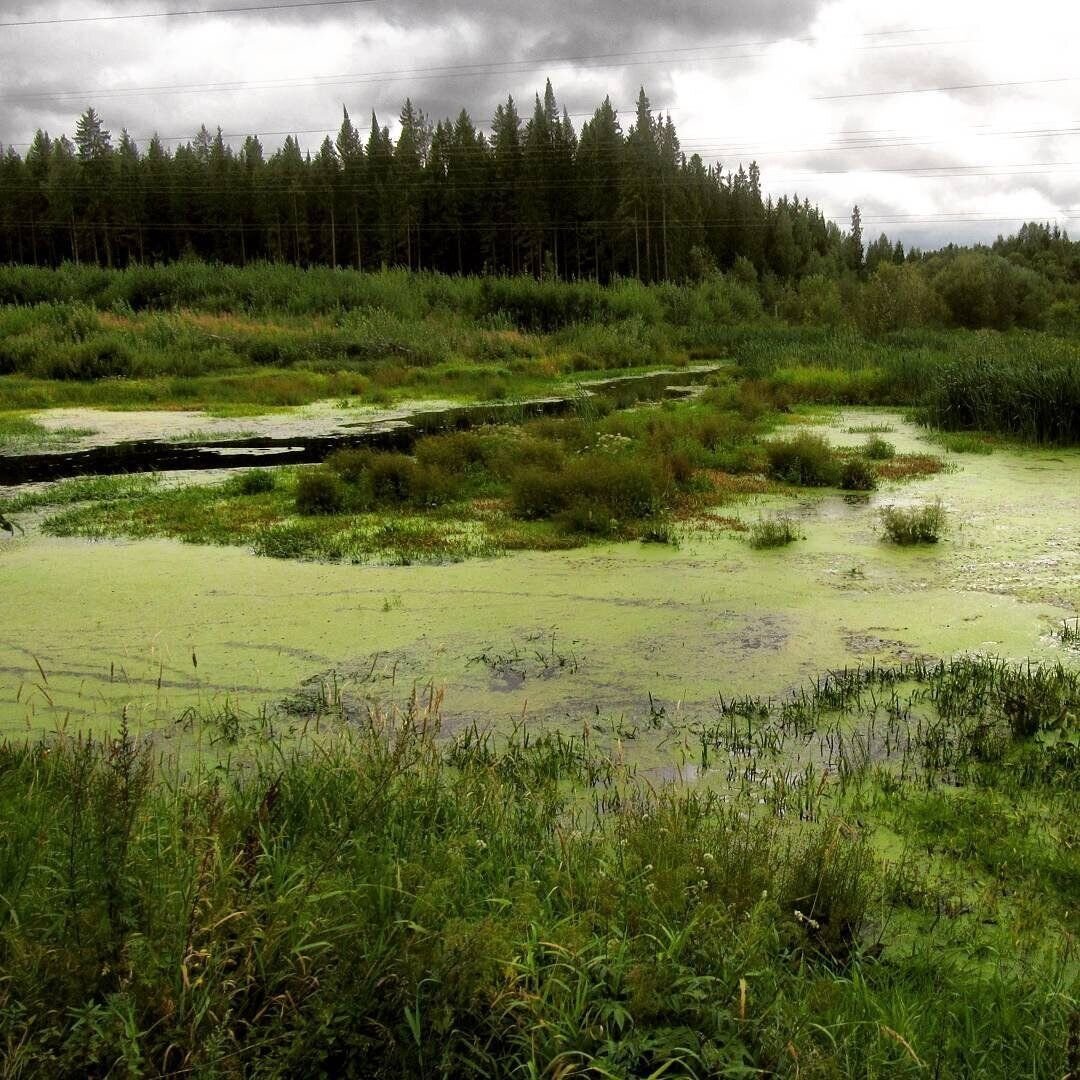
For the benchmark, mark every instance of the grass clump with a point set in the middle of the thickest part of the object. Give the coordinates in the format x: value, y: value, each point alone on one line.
x: 965, y: 442
x: 857, y: 474
x: 253, y: 482
x: 319, y: 491
x: 806, y: 459
x: 878, y: 449
x: 774, y: 532
x: 914, y: 524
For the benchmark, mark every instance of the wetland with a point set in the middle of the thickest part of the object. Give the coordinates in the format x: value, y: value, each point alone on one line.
x: 695, y: 702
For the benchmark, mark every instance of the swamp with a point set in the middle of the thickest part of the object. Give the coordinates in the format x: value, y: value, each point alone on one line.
x: 406, y: 675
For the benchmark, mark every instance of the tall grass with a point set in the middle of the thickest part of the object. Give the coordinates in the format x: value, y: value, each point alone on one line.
x: 378, y: 899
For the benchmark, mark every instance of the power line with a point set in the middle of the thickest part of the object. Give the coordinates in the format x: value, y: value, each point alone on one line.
x: 192, y: 11
x: 474, y: 70
x: 943, y: 89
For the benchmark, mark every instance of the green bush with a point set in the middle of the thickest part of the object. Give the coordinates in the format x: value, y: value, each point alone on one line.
x: 254, y: 482
x: 878, y: 449
x: 537, y: 492
x: 774, y: 532
x: 806, y: 459
x: 857, y: 474
x: 319, y: 491
x: 914, y: 524
x: 386, y: 478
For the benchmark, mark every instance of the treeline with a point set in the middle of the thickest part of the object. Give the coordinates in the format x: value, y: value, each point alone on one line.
x: 532, y: 196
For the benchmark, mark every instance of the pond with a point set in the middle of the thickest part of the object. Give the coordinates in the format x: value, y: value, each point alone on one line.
x: 148, y: 628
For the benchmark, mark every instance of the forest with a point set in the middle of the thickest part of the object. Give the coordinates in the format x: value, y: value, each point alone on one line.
x: 529, y: 197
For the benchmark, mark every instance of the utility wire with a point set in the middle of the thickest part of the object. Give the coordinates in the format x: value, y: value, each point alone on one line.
x: 478, y: 69
x: 177, y: 14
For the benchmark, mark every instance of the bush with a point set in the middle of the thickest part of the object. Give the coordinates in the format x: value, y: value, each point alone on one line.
x: 806, y: 459
x: 589, y: 492
x: 390, y: 478
x: 458, y: 453
x: 878, y: 449
x: 774, y: 532
x: 319, y: 492
x: 914, y: 524
x: 537, y: 492
x: 858, y: 474
x: 254, y: 482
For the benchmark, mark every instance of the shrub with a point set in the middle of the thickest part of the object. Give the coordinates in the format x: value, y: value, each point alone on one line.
x: 254, y: 482
x: 319, y: 492
x: 396, y: 479
x: 858, y: 474
x: 914, y: 524
x: 536, y: 492
x: 774, y: 532
x: 806, y: 459
x: 457, y: 453
x: 878, y: 449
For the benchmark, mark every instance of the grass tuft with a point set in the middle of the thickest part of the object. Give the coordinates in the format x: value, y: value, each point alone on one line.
x: 914, y: 524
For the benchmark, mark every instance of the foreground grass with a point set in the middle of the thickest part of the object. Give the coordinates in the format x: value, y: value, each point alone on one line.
x: 378, y: 900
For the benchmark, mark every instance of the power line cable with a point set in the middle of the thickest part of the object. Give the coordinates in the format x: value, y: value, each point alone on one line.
x: 177, y: 14
x: 478, y: 69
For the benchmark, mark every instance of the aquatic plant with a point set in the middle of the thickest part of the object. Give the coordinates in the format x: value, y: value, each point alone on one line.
x: 857, y: 474
x: 878, y: 449
x: 806, y: 459
x: 360, y: 892
x: 254, y: 482
x: 772, y: 532
x: 319, y: 491
x: 914, y: 524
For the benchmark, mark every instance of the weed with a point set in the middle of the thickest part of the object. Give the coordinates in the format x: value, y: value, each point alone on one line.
x: 914, y: 524
x: 806, y: 459
x: 773, y: 532
x: 319, y: 491
x: 857, y: 474
x: 878, y: 449
x: 254, y: 482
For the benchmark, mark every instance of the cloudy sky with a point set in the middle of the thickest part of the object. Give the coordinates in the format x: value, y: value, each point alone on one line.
x: 842, y: 101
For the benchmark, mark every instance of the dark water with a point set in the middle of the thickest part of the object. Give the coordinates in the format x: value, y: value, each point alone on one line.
x: 154, y: 455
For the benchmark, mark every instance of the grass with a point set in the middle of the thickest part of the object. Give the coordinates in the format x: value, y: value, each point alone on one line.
x: 774, y: 532
x: 914, y: 524
x: 546, y: 483
x: 380, y: 898
x: 878, y: 449
x: 965, y: 443
x: 1069, y: 634
x: 241, y: 340
x: 21, y: 434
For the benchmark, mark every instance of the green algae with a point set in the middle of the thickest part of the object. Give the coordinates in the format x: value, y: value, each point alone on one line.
x: 155, y: 626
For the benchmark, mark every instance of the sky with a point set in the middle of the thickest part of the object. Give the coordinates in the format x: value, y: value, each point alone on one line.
x: 841, y: 101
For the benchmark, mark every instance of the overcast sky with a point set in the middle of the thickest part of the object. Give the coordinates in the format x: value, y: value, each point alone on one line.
x: 791, y: 84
